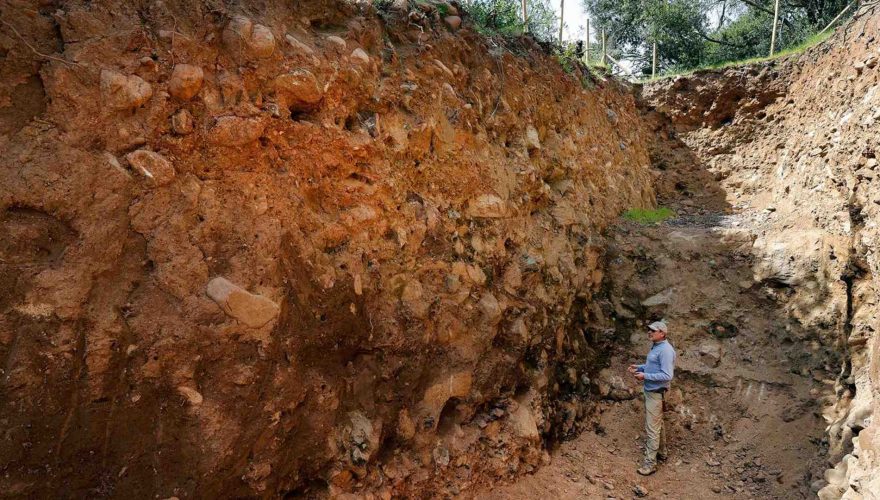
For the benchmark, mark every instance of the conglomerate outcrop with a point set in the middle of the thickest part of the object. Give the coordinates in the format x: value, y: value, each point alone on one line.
x: 323, y: 247
x: 268, y: 248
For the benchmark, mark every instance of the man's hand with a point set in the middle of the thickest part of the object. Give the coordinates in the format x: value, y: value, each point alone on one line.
x: 640, y: 376
x: 633, y: 369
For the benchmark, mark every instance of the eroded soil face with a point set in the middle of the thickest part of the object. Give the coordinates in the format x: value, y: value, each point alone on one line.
x: 295, y: 248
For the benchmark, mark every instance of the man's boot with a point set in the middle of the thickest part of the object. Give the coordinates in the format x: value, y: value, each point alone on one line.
x: 647, y: 468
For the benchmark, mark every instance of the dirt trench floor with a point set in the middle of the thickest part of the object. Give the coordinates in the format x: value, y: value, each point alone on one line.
x: 744, y: 415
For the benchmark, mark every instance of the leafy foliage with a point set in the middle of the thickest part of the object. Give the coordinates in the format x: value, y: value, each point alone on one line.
x: 504, y: 17
x: 694, y: 33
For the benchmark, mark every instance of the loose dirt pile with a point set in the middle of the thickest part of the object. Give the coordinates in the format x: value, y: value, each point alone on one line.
x: 295, y: 247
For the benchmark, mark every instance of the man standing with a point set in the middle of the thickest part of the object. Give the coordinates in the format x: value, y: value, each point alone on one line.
x: 656, y: 374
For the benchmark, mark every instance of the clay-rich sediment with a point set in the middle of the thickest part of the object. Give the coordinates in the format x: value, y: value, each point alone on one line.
x: 263, y: 249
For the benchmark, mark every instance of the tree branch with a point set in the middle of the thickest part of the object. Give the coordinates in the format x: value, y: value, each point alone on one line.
x: 34, y: 50
x: 768, y: 11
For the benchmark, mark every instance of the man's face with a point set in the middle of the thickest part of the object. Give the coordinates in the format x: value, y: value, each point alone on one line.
x: 656, y: 335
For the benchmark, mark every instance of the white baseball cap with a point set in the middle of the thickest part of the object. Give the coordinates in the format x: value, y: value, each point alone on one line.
x: 659, y: 326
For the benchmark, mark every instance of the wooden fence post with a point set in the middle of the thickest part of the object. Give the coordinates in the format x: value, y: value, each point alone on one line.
x: 654, y: 63
x: 588, y: 41
x: 561, y: 19
x: 604, y: 59
x: 775, y: 21
x: 525, y: 17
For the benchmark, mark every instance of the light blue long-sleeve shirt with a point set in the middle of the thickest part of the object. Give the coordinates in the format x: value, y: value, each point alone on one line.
x: 659, y: 366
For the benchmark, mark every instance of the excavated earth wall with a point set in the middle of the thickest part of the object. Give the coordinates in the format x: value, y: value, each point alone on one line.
x: 267, y: 248
x: 798, y: 139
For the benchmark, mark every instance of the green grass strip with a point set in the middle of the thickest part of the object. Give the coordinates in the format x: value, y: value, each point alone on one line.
x: 796, y: 49
x: 646, y: 216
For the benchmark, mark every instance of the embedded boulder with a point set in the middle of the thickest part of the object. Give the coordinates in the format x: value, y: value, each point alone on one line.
x: 186, y: 81
x: 488, y: 206
x: 251, y: 309
x: 297, y: 89
x: 245, y: 39
x: 455, y: 385
x: 153, y: 166
x: 123, y: 92
x: 236, y: 131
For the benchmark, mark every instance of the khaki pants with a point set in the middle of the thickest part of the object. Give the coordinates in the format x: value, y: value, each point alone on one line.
x: 654, y: 427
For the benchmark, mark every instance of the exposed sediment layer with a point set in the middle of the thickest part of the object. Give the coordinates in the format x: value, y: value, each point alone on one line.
x: 263, y: 249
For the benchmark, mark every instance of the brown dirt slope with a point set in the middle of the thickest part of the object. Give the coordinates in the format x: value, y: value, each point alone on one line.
x: 258, y: 249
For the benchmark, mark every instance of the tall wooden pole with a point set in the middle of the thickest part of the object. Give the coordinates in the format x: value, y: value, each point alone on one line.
x: 604, y: 59
x: 525, y: 17
x: 654, y: 64
x: 775, y: 22
x: 588, y: 41
x: 561, y: 19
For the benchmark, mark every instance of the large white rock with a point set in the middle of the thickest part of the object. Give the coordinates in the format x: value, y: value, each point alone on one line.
x: 533, y: 141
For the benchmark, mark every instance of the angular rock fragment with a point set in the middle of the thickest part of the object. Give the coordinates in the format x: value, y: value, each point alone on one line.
x: 710, y: 352
x: 182, y: 122
x: 124, y: 92
x: 490, y: 308
x: 523, y: 423
x: 413, y: 298
x: 153, y: 166
x: 406, y: 429
x: 475, y: 275
x: 487, y: 206
x: 339, y: 43
x: 658, y: 299
x: 532, y: 139
x: 192, y: 396
x: 298, y: 45
x: 359, y: 56
x: 251, y: 309
x: 186, y: 81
